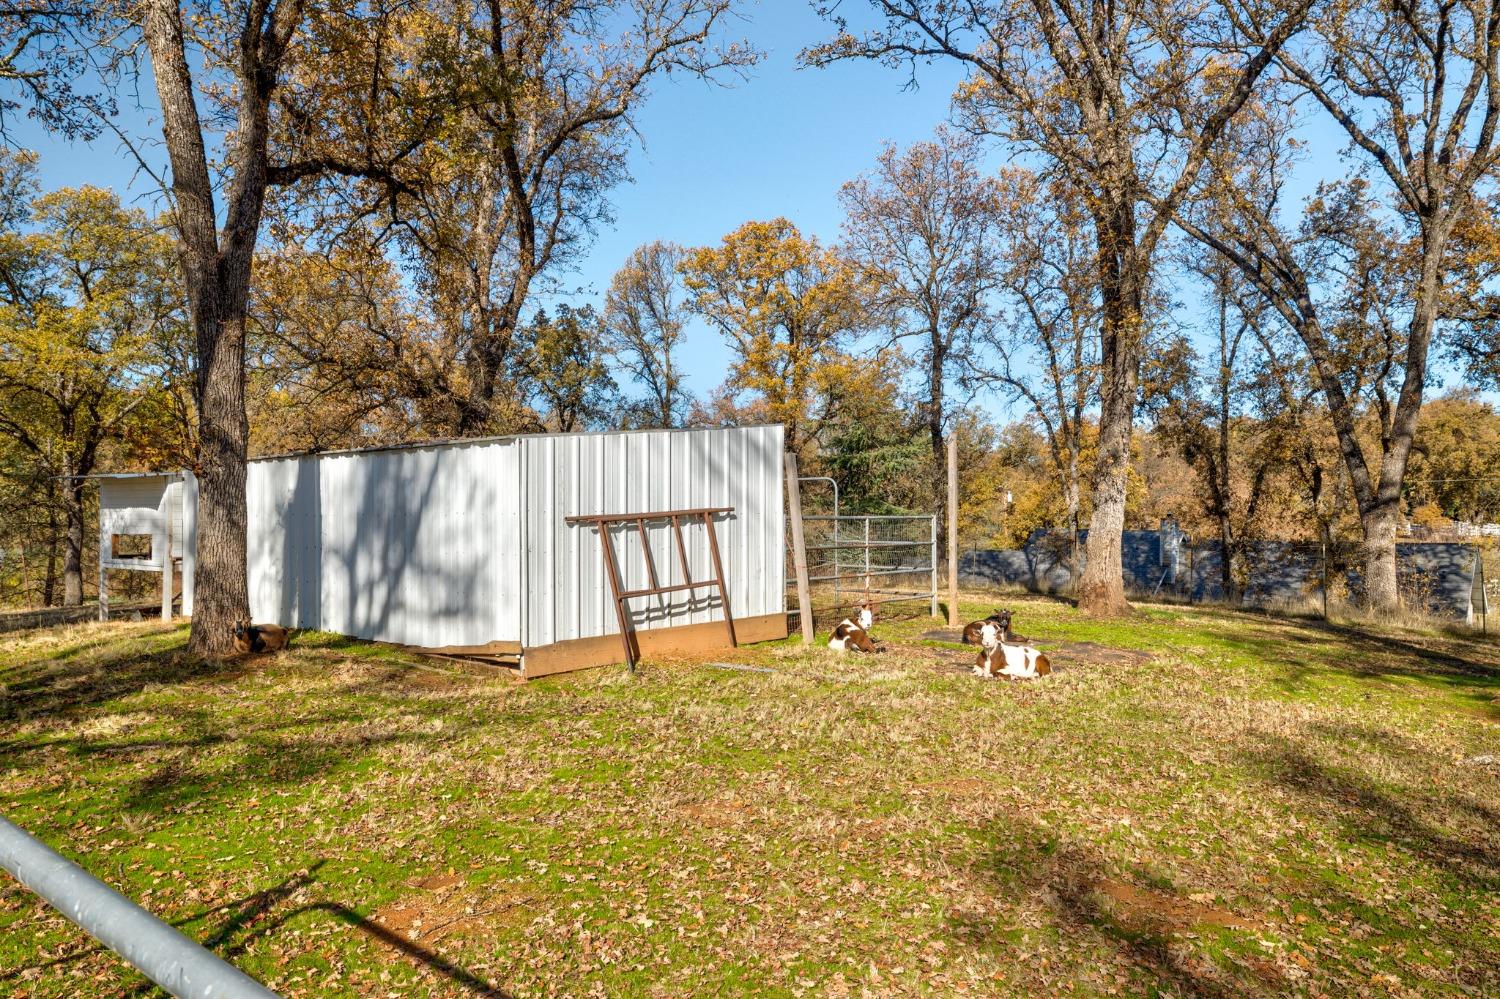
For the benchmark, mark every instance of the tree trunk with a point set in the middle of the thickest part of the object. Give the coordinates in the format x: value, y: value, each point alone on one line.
x: 1380, y: 515
x: 49, y: 578
x: 1226, y: 566
x: 221, y: 587
x: 72, y: 497
x: 939, y: 446
x: 218, y: 284
x: 1378, y: 555
x: 1072, y: 499
x: 1101, y: 592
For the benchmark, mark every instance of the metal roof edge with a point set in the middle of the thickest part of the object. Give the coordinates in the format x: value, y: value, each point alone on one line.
x: 176, y: 474
x: 501, y: 439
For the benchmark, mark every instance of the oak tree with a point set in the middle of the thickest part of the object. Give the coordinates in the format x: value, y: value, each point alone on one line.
x: 790, y: 308
x: 923, y: 228
x: 1081, y: 86
x: 520, y: 180
x: 1044, y: 352
x: 87, y: 295
x: 1413, y: 86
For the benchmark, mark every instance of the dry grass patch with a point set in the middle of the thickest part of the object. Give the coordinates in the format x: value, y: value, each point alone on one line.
x: 1198, y: 803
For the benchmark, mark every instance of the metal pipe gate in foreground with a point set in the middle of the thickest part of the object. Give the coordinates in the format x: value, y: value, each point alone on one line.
x: 182, y: 967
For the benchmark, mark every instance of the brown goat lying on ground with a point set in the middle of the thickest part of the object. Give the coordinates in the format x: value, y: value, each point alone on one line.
x: 259, y: 637
x: 1014, y: 662
x: 1004, y: 653
x: 1001, y: 619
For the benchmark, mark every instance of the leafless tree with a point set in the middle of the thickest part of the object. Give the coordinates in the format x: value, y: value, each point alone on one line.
x: 1414, y: 85
x: 1044, y: 351
x: 924, y: 229
x: 1082, y: 86
x: 645, y: 319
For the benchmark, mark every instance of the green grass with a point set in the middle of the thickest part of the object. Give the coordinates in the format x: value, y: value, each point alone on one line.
x: 1268, y: 806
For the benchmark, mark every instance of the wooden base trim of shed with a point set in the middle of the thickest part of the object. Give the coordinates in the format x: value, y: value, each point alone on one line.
x: 511, y: 649
x: 687, y: 639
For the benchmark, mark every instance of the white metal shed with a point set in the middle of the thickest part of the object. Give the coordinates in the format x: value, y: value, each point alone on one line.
x: 465, y: 546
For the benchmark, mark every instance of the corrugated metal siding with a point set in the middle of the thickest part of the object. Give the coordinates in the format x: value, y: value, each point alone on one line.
x: 139, y: 492
x: 417, y: 546
x: 568, y: 596
x: 463, y: 544
x: 174, y: 506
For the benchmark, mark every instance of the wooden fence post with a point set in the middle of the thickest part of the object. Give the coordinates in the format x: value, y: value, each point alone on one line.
x: 953, y: 531
x: 799, y: 548
x: 166, y: 565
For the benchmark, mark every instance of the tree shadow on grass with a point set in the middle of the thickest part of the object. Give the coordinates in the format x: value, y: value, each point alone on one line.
x: 274, y: 744
x: 241, y: 922
x: 1153, y: 929
x: 1364, y: 655
x: 72, y: 687
x: 1378, y: 816
x: 70, y: 680
x: 278, y: 756
x: 1141, y: 926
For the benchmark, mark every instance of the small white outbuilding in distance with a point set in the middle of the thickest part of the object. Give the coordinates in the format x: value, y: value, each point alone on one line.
x: 148, y: 523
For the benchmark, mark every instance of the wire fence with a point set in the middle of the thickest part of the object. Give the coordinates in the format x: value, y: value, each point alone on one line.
x: 887, y: 558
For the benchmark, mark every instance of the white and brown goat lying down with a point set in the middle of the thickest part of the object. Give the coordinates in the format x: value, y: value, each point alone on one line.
x: 1015, y: 661
x: 853, y: 632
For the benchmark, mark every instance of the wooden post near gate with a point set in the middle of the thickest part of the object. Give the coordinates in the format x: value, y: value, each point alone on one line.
x: 166, y: 565
x: 952, y: 532
x: 799, y: 548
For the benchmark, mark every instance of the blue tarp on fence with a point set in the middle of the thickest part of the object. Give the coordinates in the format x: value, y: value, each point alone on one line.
x: 1440, y: 577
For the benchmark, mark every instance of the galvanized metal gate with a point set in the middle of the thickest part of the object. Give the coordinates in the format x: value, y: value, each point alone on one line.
x: 870, y: 556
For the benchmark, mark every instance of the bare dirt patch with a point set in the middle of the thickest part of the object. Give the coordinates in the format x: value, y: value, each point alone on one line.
x: 1062, y: 655
x: 942, y: 635
x: 1162, y: 912
x: 1093, y: 654
x: 438, y: 882
x: 440, y: 908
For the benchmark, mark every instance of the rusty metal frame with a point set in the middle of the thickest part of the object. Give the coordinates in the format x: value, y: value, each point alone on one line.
x: 605, y: 521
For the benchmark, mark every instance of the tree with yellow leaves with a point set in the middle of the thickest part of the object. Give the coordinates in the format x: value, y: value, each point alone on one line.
x: 87, y: 296
x: 790, y: 308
